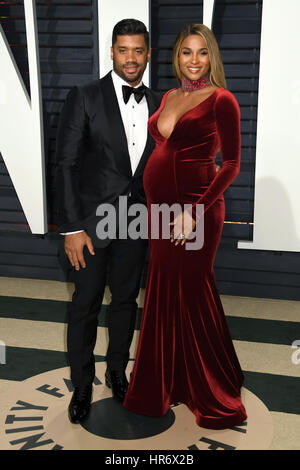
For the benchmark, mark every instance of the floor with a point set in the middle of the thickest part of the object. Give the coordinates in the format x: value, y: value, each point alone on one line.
x: 33, y: 341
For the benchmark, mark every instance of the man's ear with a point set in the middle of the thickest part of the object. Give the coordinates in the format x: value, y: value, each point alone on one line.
x: 149, y: 54
x: 111, y: 53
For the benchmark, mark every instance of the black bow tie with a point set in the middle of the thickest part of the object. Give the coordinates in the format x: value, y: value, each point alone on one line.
x: 138, y: 92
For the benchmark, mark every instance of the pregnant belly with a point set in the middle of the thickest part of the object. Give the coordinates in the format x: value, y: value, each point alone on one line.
x: 193, y: 177
x: 158, y: 179
x: 173, y: 177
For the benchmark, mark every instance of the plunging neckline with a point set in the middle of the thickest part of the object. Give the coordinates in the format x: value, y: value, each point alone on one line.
x: 186, y: 112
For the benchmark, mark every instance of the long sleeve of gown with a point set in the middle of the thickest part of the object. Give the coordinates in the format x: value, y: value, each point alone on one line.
x: 227, y: 115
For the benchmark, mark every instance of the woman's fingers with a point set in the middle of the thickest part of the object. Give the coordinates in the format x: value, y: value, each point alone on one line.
x: 183, y: 224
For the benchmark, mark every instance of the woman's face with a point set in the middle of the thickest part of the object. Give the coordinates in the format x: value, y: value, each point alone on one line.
x: 193, y: 58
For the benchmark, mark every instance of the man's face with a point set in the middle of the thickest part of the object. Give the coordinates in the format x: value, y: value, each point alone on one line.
x: 130, y: 57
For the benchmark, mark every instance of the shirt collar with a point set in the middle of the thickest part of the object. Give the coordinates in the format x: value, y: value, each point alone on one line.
x: 118, y: 82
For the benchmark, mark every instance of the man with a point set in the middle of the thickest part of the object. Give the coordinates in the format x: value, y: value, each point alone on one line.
x: 102, y: 149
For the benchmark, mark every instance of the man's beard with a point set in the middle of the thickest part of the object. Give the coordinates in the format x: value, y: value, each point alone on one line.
x: 137, y: 77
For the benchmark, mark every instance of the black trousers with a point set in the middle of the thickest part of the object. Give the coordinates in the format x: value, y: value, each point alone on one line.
x: 126, y: 261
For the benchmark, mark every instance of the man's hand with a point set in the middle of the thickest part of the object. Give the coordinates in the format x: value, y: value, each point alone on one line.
x: 74, y: 244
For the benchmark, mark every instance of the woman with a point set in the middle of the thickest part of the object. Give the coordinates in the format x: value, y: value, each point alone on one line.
x: 185, y: 352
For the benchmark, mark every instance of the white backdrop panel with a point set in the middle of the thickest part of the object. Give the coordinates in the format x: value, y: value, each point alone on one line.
x: 21, y: 126
x: 277, y: 169
x: 109, y: 13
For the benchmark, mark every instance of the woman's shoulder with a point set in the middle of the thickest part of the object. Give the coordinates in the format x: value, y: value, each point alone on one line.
x: 172, y: 91
x: 223, y: 94
x: 225, y: 99
x: 166, y: 94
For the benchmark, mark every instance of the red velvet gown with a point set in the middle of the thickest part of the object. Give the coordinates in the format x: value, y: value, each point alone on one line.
x: 185, y: 352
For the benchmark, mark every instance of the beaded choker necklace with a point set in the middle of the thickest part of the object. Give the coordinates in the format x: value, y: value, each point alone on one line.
x: 193, y: 85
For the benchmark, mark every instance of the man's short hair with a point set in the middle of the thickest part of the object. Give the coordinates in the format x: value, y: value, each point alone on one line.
x: 129, y: 27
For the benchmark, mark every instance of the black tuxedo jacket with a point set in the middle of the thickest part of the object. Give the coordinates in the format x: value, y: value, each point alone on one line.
x: 92, y: 158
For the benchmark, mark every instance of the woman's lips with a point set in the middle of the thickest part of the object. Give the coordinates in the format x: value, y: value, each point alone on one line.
x: 193, y: 69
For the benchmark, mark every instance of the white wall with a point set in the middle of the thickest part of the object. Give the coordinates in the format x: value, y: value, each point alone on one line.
x: 277, y: 169
x: 21, y: 126
x: 208, y: 11
x: 109, y: 13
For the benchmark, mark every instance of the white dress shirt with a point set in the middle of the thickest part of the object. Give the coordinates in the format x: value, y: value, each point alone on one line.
x: 135, y: 120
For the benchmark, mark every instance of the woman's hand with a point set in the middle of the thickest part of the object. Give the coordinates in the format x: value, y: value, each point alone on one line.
x: 182, y: 224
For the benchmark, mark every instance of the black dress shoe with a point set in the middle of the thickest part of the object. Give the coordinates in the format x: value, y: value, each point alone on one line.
x: 79, y: 406
x: 117, y: 381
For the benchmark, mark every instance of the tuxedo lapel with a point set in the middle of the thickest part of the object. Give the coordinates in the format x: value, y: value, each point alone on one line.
x: 149, y: 143
x: 118, y: 138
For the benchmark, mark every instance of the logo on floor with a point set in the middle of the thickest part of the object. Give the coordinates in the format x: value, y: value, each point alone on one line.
x: 35, y: 417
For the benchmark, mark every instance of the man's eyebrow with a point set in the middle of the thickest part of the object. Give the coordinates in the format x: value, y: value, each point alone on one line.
x: 125, y: 47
